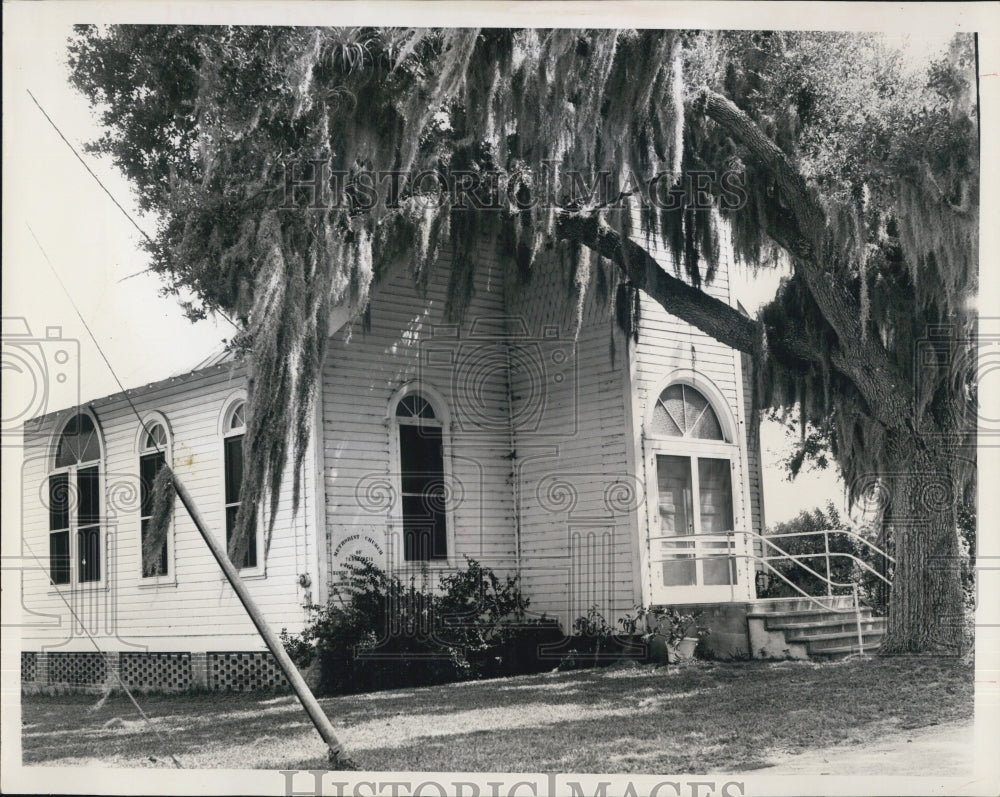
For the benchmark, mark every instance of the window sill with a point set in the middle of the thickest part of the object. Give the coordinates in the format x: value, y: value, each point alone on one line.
x: 248, y: 575
x: 152, y: 582
x: 86, y: 587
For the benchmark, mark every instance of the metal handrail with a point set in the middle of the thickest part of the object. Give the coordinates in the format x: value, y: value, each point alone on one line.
x: 785, y: 555
x: 856, y: 608
x: 832, y: 554
x: 845, y: 532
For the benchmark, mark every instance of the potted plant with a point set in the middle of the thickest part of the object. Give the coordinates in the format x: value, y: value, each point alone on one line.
x: 669, y: 634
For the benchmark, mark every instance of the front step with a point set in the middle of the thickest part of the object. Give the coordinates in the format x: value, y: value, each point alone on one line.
x: 769, y: 605
x: 799, y: 628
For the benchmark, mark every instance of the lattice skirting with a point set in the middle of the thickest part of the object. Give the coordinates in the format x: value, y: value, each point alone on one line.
x: 243, y: 672
x: 29, y: 667
x: 77, y: 669
x: 167, y: 671
x: 240, y: 671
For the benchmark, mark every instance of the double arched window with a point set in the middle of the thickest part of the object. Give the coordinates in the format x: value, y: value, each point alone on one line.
x: 75, y: 550
x: 420, y: 439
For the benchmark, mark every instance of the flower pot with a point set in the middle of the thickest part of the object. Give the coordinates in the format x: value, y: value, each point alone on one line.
x: 684, y: 649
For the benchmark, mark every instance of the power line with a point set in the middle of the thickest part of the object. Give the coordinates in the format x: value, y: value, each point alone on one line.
x: 111, y: 196
x: 89, y: 170
x: 83, y: 321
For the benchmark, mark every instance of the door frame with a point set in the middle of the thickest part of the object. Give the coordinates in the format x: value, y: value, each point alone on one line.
x: 730, y: 449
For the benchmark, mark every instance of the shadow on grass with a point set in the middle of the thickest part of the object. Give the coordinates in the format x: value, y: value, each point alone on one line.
x: 696, y: 718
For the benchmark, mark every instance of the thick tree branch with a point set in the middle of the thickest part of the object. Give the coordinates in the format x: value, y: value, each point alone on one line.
x: 712, y: 316
x: 800, y: 230
x: 724, y: 323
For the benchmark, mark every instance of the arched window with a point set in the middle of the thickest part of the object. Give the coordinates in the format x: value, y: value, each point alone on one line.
x: 233, y: 430
x: 153, y: 448
x: 693, y: 526
x: 681, y: 411
x: 422, y: 487
x: 75, y: 505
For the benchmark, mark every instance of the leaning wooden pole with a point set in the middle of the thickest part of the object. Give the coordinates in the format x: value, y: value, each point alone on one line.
x: 338, y: 757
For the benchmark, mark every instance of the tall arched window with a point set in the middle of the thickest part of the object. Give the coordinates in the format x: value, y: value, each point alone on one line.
x: 421, y: 468
x: 233, y: 430
x: 153, y: 447
x: 692, y: 530
x: 75, y: 505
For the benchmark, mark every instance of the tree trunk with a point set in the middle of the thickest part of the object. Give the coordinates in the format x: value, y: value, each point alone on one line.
x: 926, y: 607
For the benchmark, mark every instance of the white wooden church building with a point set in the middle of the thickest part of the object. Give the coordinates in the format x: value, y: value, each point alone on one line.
x: 606, y: 472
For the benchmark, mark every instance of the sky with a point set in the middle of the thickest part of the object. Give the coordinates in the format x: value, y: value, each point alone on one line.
x: 68, y: 249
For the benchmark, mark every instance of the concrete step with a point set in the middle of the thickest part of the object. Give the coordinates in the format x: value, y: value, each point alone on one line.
x: 772, y: 605
x: 843, y: 651
x: 775, y: 620
x: 818, y: 643
x: 831, y: 627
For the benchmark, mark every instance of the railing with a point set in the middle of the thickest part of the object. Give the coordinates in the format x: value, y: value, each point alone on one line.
x: 826, y: 555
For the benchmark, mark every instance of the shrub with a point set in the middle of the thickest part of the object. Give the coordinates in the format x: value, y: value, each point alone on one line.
x: 377, y: 632
x: 811, y: 551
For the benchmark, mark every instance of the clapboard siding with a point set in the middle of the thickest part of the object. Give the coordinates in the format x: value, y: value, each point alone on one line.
x: 755, y: 478
x: 193, y: 605
x: 365, y: 368
x: 579, y: 555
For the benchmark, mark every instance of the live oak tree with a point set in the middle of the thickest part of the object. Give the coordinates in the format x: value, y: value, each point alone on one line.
x: 823, y: 152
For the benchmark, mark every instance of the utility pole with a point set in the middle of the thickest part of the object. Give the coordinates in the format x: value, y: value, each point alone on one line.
x: 337, y: 756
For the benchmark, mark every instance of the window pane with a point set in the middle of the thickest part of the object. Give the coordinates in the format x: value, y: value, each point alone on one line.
x: 155, y: 565
x: 149, y: 466
x: 78, y: 442
x: 234, y: 468
x: 90, y: 448
x: 250, y: 557
x: 672, y: 400
x: 662, y: 423
x: 414, y: 406
x: 238, y: 419
x: 420, y: 455
x: 59, y: 501
x: 425, y: 533
x: 695, y: 405
x: 88, y: 484
x: 156, y: 438
x: 59, y: 557
x: 88, y: 543
x: 708, y: 427
x: 673, y: 479
x: 716, y: 495
x: 720, y: 570
x: 679, y: 572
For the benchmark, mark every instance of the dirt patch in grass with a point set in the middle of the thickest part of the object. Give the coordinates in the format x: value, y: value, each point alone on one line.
x: 691, y: 719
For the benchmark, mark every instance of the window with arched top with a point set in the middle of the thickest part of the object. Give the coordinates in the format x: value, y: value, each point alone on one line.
x: 153, y: 450
x: 420, y: 435
x: 693, y: 528
x: 233, y: 431
x: 681, y: 411
x: 75, y: 504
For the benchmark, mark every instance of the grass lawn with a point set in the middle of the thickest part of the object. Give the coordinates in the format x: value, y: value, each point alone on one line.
x: 693, y: 718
